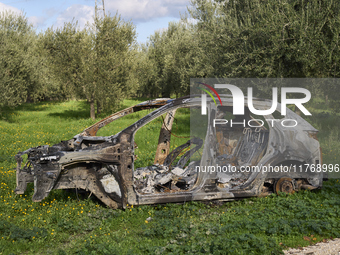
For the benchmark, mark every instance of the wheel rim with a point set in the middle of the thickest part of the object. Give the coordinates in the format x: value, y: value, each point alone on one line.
x: 285, y: 185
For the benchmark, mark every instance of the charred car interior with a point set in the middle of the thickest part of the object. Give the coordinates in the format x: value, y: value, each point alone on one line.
x: 106, y: 166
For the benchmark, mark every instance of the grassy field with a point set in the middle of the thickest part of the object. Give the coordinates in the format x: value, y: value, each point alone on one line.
x: 62, y: 224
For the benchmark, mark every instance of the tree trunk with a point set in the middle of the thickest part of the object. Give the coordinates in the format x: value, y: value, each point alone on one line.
x: 99, y: 108
x: 92, y: 111
x: 29, y: 99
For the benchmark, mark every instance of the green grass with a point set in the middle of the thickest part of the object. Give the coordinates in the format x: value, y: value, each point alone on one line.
x: 62, y: 224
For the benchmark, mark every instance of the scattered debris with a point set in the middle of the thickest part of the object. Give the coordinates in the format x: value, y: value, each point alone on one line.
x: 159, y: 178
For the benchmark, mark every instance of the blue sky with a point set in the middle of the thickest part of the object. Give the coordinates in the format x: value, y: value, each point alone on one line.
x: 147, y: 15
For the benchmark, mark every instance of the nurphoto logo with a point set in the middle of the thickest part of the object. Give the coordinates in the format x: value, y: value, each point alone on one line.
x: 238, y: 99
x: 239, y: 102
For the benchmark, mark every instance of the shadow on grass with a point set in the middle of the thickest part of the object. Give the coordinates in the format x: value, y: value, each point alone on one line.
x: 81, y: 111
x: 9, y: 113
x: 72, y: 114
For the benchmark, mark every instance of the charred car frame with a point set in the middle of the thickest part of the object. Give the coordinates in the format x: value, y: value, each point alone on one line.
x: 105, y: 165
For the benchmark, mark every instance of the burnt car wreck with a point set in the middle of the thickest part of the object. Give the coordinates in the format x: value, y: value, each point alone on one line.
x: 105, y: 165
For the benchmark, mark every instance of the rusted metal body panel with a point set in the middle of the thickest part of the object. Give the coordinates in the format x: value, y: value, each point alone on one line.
x: 105, y: 165
x: 92, y: 130
x: 163, y: 147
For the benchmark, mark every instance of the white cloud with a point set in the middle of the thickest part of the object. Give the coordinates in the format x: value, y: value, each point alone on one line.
x: 4, y: 7
x: 80, y: 13
x: 135, y: 10
x: 37, y: 21
x: 144, y: 10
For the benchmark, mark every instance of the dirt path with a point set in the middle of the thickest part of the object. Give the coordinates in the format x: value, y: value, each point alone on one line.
x: 323, y: 248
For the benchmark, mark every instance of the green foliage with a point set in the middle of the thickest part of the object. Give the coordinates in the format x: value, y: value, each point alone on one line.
x: 19, y: 62
x: 269, y: 38
x: 102, y: 64
x: 171, y: 59
x: 95, y: 63
x: 244, y: 39
x: 113, y: 67
x: 62, y: 48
